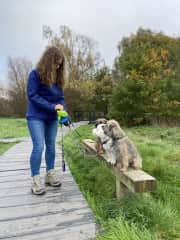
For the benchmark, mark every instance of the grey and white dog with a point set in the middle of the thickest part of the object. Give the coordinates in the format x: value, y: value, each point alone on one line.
x: 120, y: 150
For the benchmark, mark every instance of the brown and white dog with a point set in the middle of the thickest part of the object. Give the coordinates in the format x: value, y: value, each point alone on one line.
x: 98, y: 146
x: 120, y: 150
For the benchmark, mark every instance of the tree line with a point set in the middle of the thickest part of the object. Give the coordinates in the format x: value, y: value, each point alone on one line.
x: 147, y: 71
x: 141, y: 88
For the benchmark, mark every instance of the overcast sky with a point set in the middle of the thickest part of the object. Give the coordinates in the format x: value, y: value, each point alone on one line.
x: 106, y: 21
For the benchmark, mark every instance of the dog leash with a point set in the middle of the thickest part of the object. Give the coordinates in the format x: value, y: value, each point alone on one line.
x: 65, y: 119
x: 62, y: 150
x: 62, y: 120
x: 74, y: 130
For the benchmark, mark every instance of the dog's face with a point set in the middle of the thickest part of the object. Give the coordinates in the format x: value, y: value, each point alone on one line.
x: 100, y: 121
x: 113, y: 130
x: 110, y: 129
x: 99, y: 131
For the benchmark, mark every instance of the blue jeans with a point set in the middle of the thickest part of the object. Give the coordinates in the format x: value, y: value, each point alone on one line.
x: 42, y: 131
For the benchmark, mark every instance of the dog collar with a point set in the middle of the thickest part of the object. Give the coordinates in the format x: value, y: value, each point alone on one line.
x: 118, y: 138
x: 105, y: 141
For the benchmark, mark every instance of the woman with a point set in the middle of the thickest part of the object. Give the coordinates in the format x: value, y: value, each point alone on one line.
x: 45, y: 97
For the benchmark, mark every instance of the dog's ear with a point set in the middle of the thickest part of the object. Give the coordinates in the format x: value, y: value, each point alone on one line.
x: 96, y: 123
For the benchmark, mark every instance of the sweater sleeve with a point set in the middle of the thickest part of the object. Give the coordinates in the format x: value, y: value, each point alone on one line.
x: 61, y: 101
x: 32, y: 93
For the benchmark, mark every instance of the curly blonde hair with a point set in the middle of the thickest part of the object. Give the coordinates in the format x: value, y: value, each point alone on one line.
x: 49, y: 74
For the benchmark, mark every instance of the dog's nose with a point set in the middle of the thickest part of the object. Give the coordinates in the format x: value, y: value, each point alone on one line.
x: 96, y: 125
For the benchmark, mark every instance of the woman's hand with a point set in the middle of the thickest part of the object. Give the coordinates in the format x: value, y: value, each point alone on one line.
x: 59, y: 107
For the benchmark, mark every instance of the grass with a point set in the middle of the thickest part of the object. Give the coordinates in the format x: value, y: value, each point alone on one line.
x: 141, y: 217
x: 11, y: 128
x: 145, y: 216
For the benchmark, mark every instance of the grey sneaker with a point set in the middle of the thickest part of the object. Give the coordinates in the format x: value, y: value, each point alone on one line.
x: 52, y: 178
x: 37, y: 188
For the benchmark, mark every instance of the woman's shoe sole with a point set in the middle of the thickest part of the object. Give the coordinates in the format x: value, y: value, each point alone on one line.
x: 59, y: 185
x: 40, y: 193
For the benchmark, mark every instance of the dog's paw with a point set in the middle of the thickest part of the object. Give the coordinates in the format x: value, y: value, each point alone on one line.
x: 113, y: 162
x: 102, y: 153
x: 124, y: 169
x: 108, y: 160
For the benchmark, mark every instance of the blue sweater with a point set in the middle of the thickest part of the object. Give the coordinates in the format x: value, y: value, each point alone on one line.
x: 42, y: 99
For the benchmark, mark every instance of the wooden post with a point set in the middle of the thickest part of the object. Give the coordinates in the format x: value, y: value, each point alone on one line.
x: 121, y: 189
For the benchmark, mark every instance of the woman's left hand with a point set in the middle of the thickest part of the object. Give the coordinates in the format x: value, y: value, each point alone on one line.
x: 59, y: 107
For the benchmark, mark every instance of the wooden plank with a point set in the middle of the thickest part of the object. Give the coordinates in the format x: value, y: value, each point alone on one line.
x: 21, y: 166
x: 18, y: 172
x: 8, y: 174
x: 71, y: 231
x: 16, y: 179
x: 41, y: 209
x: 83, y: 231
x: 19, y: 157
x: 24, y: 190
x: 24, y: 174
x: 136, y: 181
x: 19, y: 196
x: 62, y: 213
x: 20, y: 161
x: 40, y: 223
x: 121, y: 189
x: 27, y: 199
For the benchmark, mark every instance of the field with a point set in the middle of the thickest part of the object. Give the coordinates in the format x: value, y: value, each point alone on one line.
x: 11, y: 128
x: 146, y: 216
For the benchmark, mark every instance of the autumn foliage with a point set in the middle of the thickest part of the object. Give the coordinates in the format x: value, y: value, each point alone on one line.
x: 147, y: 77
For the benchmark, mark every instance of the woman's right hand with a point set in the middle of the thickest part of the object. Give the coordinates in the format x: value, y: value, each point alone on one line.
x: 59, y: 107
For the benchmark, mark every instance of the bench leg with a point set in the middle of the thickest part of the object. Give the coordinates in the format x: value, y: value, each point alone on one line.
x: 121, y: 189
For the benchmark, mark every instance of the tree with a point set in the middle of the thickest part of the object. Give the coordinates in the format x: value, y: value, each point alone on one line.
x: 5, y: 110
x: 18, y: 70
x: 103, y: 89
x: 147, y: 78
x: 81, y: 55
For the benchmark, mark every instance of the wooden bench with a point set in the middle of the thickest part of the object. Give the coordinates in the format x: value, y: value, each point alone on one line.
x: 131, y: 181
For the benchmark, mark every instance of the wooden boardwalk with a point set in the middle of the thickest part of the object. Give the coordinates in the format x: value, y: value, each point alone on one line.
x: 60, y: 214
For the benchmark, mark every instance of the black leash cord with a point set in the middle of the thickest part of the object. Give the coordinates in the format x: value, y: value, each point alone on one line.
x: 73, y: 128
x: 62, y: 144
